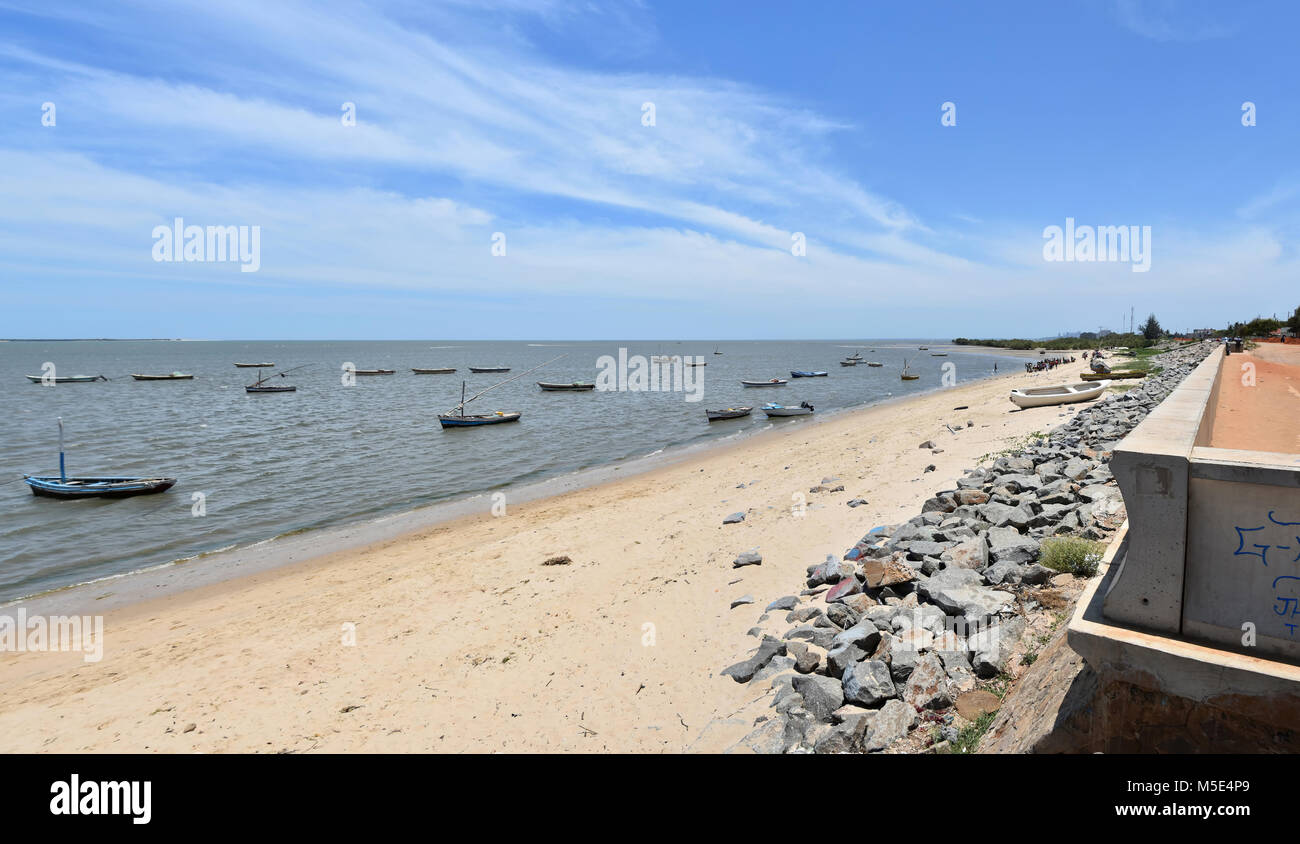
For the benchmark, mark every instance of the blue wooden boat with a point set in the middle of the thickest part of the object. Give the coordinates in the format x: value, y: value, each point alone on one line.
x: 64, y: 487
x: 801, y: 373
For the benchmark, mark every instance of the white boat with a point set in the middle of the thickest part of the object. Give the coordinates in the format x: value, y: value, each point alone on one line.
x: 1060, y: 394
x: 775, y: 382
x: 772, y: 409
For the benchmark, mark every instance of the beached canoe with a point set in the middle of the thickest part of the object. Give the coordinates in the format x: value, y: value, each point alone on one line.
x: 774, y: 382
x: 574, y: 387
x: 728, y: 413
x: 451, y: 421
x: 1104, y: 376
x: 437, y: 371
x: 489, y: 369
x: 777, y: 410
x: 1059, y: 394
x: 175, y: 376
x: 804, y: 373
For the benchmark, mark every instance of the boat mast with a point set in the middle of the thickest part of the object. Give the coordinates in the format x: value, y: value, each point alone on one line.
x: 464, y: 401
x: 63, y: 475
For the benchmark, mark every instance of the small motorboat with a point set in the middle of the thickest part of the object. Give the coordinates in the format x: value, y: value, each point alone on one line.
x: 49, y: 486
x: 775, y: 382
x: 175, y: 376
x: 65, y: 379
x: 728, y: 413
x: 1060, y: 394
x: 1102, y: 376
x: 574, y: 387
x: 372, y: 371
x: 438, y: 371
x: 804, y: 373
x: 265, y: 365
x: 489, y: 369
x: 773, y: 410
x: 454, y: 421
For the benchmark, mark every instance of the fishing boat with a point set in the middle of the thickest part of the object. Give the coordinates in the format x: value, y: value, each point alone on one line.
x: 874, y: 363
x: 775, y: 410
x: 938, y: 354
x: 855, y: 356
x: 266, y: 365
x: 1122, y: 373
x: 774, y: 382
x: 458, y: 418
x: 489, y: 369
x: 728, y: 413
x: 924, y: 348
x: 437, y: 371
x: 575, y: 387
x: 701, y: 363
x: 1059, y: 394
x: 65, y: 487
x: 715, y: 351
x: 848, y: 362
x: 65, y: 379
x: 175, y: 376
x: 372, y: 372
x: 907, y: 374
x: 260, y: 385
x: 804, y: 373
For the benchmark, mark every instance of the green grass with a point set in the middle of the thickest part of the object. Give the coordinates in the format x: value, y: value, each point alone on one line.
x: 969, y: 737
x: 1071, y: 554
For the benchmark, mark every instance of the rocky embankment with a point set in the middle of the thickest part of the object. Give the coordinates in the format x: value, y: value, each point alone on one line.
x: 920, y: 614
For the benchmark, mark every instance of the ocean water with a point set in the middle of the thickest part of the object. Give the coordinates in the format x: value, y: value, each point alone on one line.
x: 265, y: 465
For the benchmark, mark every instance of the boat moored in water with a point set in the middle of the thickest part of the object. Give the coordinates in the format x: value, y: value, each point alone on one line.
x: 804, y: 373
x: 264, y: 365
x: 774, y: 382
x: 489, y: 369
x: 574, y: 387
x: 64, y: 379
x: 728, y: 413
x: 50, y: 486
x: 434, y: 371
x: 778, y: 410
x: 174, y: 376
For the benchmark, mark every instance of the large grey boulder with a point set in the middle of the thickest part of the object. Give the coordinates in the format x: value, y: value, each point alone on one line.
x: 821, y: 695
x: 743, y: 672
x: 1006, y: 544
x: 868, y: 683
x: 891, y: 723
x: 928, y: 686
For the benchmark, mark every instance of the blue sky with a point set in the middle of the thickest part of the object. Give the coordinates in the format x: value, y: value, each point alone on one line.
x: 524, y: 117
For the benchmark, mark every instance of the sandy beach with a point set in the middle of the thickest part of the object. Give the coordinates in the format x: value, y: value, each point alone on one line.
x: 466, y: 641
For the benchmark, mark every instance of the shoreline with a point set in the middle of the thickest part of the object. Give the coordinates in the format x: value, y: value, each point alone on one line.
x: 303, y: 544
x: 466, y: 641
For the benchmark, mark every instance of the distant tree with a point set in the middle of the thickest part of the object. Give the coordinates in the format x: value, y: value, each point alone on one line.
x: 1294, y: 322
x: 1151, y: 330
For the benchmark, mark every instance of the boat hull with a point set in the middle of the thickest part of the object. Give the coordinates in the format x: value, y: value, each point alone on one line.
x: 802, y: 374
x: 489, y: 369
x: 66, y: 379
x: 446, y: 371
x: 373, y: 372
x: 776, y: 383
x: 173, y: 377
x: 254, y: 365
x: 476, y: 421
x: 1060, y: 394
x: 729, y: 413
x: 50, y: 487
x: 1106, y: 376
x: 576, y: 387
x: 776, y: 412
x: 270, y: 389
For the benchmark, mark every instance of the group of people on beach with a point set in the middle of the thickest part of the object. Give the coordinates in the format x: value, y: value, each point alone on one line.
x: 1048, y: 363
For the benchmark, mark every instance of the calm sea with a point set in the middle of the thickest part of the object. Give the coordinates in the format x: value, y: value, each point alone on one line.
x: 330, y: 453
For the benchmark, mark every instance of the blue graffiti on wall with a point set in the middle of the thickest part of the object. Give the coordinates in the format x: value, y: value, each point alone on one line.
x: 1250, y: 544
